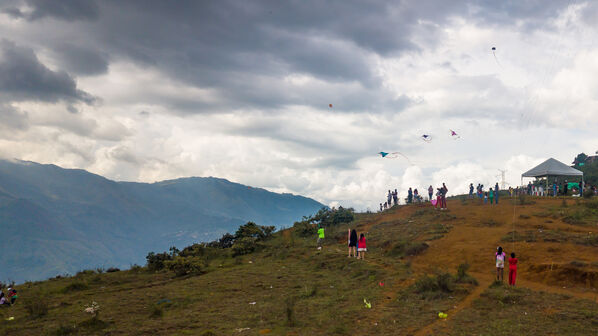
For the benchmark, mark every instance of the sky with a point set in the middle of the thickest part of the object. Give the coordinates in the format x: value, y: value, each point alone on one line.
x: 153, y: 90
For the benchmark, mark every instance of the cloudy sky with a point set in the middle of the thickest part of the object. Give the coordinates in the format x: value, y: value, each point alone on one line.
x: 153, y: 90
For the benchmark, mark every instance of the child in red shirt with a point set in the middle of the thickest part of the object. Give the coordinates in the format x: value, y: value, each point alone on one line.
x: 512, y: 269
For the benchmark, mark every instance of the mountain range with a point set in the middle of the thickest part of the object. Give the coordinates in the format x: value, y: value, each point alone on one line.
x: 57, y: 221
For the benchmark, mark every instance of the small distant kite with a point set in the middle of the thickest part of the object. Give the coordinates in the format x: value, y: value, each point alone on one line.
x: 394, y: 155
x: 455, y: 135
x: 426, y: 137
x: 495, y: 58
x: 330, y: 105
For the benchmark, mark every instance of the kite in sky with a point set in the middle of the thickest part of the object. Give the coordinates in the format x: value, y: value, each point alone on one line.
x: 426, y: 137
x: 495, y: 58
x: 455, y: 135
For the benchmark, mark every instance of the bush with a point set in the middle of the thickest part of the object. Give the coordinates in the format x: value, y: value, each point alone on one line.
x: 156, y: 311
x: 64, y: 330
x: 115, y: 269
x: 75, y: 286
x: 305, y: 229
x: 226, y: 241
x: 252, y: 230
x: 85, y: 272
x: 185, y: 265
x: 441, y: 283
x: 244, y: 246
x: 36, y: 308
x: 194, y: 250
x: 463, y: 277
x: 155, y: 261
x: 588, y: 194
x: 290, y: 311
x: 402, y: 249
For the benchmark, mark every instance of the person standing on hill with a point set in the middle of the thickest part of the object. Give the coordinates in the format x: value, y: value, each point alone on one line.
x: 352, y: 243
x: 444, y: 191
x: 491, y: 196
x: 389, y: 199
x: 395, y: 197
x: 430, y: 192
x: 361, y: 248
x: 496, y: 192
x: 320, y: 237
x: 471, y: 190
x: 565, y: 185
x: 554, y: 184
x: 409, y: 195
x: 529, y: 188
x: 512, y: 269
x: 499, y: 257
x: 381, y: 208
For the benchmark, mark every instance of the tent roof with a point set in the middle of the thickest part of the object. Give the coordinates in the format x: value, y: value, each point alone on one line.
x: 552, y: 167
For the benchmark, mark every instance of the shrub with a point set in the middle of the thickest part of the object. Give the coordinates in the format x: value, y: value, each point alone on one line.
x: 289, y: 311
x: 463, y: 277
x: 155, y: 261
x: 135, y: 268
x: 185, y: 265
x: 435, y: 286
x: 305, y: 229
x: 115, y: 269
x: 65, y: 330
x: 578, y: 263
x: 85, y: 272
x: 588, y: 194
x: 244, y: 246
x: 156, y: 311
x: 36, y: 308
x: 75, y: 286
x: 194, y: 250
x: 226, y: 241
x: 252, y: 230
x: 403, y: 248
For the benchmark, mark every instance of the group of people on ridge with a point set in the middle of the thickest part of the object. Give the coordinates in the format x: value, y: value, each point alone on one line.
x: 484, y: 196
x: 413, y: 196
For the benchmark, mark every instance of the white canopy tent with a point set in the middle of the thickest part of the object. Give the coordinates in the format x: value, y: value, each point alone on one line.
x: 552, y: 167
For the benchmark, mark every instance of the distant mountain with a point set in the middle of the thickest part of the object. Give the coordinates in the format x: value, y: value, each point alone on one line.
x: 56, y: 220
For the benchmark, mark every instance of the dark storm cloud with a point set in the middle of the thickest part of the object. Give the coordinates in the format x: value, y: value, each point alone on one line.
x: 244, y: 50
x: 81, y: 60
x: 24, y: 78
x: 68, y: 10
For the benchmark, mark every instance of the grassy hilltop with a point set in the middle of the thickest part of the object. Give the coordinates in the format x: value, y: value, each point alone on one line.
x: 420, y: 262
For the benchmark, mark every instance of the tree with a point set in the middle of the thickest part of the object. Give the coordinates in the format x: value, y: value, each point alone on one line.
x: 580, y: 158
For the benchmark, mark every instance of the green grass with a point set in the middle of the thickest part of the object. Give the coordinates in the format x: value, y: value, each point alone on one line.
x: 517, y: 311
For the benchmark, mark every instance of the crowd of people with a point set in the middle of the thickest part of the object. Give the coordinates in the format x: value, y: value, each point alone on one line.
x: 491, y: 195
x: 555, y: 189
x: 414, y: 196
